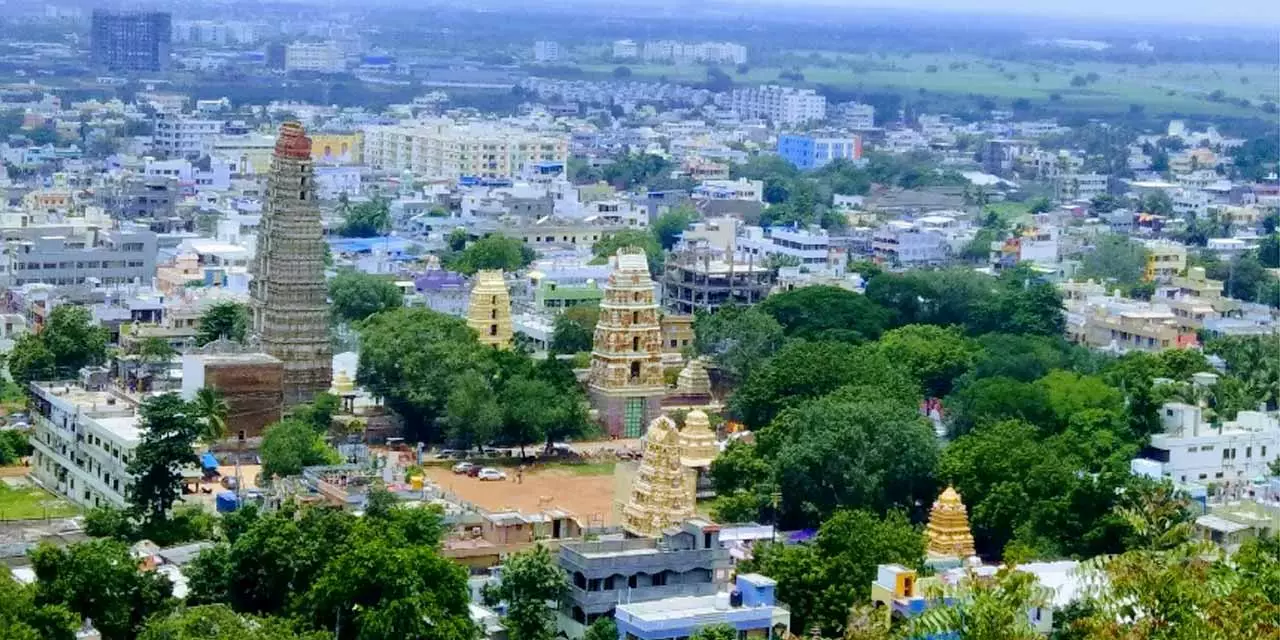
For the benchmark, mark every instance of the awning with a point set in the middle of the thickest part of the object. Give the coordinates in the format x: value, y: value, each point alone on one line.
x: 208, y: 461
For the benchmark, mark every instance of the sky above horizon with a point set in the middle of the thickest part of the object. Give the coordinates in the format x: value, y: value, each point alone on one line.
x: 1245, y: 12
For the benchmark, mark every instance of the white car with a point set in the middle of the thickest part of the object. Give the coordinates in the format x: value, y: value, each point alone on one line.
x: 489, y: 473
x: 462, y: 467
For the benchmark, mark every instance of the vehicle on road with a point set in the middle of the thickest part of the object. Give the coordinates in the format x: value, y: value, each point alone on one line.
x: 489, y: 473
x: 463, y: 468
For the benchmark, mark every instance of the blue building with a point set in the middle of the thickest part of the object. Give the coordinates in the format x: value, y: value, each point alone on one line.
x: 813, y: 152
x: 750, y: 609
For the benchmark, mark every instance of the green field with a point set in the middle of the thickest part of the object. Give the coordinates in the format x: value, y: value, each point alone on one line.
x: 30, y: 503
x: 1164, y: 88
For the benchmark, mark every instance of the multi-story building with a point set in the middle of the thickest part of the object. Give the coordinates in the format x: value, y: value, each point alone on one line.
x: 179, y: 136
x: 740, y: 189
x: 338, y: 148
x: 216, y: 32
x: 1166, y: 259
x: 546, y: 51
x: 805, y: 151
x: 1192, y: 449
x: 904, y: 244
x: 446, y: 149
x: 1080, y: 186
x: 702, y: 277
x: 686, y: 561
x: 130, y: 42
x: 65, y: 255
x: 807, y: 247
x: 248, y: 154
x: 134, y: 197
x: 856, y: 116
x: 83, y: 439
x: 751, y: 611
x: 317, y: 57
x: 783, y: 106
x: 625, y: 49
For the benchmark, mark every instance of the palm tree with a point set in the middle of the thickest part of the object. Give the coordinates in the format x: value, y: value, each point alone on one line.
x: 212, y: 410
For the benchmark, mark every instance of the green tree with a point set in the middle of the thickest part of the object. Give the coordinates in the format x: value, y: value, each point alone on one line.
x: 1040, y: 205
x: 169, y: 429
x: 608, y: 246
x: 668, y: 227
x: 1158, y: 203
x: 30, y: 360
x: 367, y: 219
x: 1115, y: 258
x: 100, y: 580
x: 535, y: 410
x: 531, y: 581
x: 720, y: 631
x: 473, y: 415
x: 22, y: 619
x: 604, y: 628
x: 935, y: 356
x: 228, y: 320
x: 574, y: 329
x: 290, y: 445
x: 356, y: 295
x: 213, y: 411
x: 986, y: 609
x: 492, y: 252
x: 220, y: 622
x: 319, y: 412
x: 826, y: 313
x: 74, y: 340
x: 738, y: 339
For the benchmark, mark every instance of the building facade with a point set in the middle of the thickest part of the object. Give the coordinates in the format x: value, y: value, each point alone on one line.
x: 783, y: 106
x: 288, y: 293
x: 130, y: 42
x: 813, y: 151
x: 1193, y: 449
x: 66, y: 256
x: 316, y: 57
x: 179, y: 136
x: 445, y: 149
x: 83, y: 441
x: 752, y: 612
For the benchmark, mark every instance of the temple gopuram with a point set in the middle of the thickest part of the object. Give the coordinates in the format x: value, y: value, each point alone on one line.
x: 625, y: 383
x: 949, y: 540
x: 489, y: 309
x: 662, y: 492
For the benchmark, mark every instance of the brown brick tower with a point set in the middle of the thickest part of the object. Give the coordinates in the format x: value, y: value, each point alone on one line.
x: 288, y: 294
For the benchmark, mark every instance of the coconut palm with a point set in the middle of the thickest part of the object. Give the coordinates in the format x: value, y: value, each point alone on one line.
x: 212, y: 410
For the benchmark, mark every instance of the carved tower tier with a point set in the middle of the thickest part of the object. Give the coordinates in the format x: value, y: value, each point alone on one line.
x: 662, y: 492
x: 288, y: 293
x: 489, y: 309
x: 626, y: 384
x: 948, y: 532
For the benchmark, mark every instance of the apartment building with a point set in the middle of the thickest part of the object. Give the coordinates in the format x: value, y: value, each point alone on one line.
x: 178, y: 136
x: 1194, y: 449
x: 316, y: 57
x: 83, y: 440
x: 740, y: 189
x: 902, y: 243
x: 451, y: 150
x: 856, y: 116
x: 625, y: 49
x: 1079, y: 186
x: 546, y: 51
x: 808, y: 247
x: 64, y: 255
x: 783, y: 106
x: 1166, y: 260
x: 816, y: 151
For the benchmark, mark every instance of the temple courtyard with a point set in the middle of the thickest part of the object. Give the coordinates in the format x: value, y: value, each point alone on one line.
x: 585, y: 490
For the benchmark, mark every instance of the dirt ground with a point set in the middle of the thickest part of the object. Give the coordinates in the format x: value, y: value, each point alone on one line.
x: 590, y: 497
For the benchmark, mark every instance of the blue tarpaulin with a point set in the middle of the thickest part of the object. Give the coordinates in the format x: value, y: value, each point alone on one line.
x: 208, y: 461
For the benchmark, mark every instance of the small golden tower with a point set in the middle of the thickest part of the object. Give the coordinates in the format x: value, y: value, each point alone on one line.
x: 697, y: 441
x: 693, y: 380
x: 662, y: 493
x: 489, y: 309
x: 948, y: 530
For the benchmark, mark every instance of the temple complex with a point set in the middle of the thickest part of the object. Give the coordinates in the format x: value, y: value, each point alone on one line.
x: 288, y: 293
x: 489, y: 309
x: 662, y: 492
x: 693, y: 389
x: 626, y: 384
x: 949, y: 538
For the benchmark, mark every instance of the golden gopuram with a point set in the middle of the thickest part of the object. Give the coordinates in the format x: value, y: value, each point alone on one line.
x: 948, y: 531
x: 662, y: 492
x: 489, y: 309
x: 697, y: 441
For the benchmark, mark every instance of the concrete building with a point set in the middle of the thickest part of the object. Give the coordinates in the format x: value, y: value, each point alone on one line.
x: 806, y: 151
x: 135, y: 197
x: 252, y: 384
x: 1166, y: 259
x: 856, y: 116
x: 751, y: 610
x: 546, y: 51
x: 179, y: 136
x: 288, y: 293
x: 740, y: 189
x: 1080, y: 186
x: 809, y: 247
x: 446, y: 149
x: 66, y: 255
x: 702, y: 277
x: 1192, y: 449
x: 130, y: 42
x: 315, y: 57
x: 625, y: 49
x: 84, y: 439
x: 686, y: 561
x: 904, y: 244
x: 783, y: 106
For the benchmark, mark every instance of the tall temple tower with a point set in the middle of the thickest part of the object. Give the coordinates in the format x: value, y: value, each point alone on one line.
x: 662, y: 492
x: 626, y: 385
x: 949, y: 539
x: 288, y: 294
x: 489, y: 309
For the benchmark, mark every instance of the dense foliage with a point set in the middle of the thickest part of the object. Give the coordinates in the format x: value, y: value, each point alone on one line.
x: 223, y: 320
x: 355, y: 295
x: 69, y: 340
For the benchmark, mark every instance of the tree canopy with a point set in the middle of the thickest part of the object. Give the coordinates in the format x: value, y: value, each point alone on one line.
x: 69, y: 340
x: 229, y: 320
x: 355, y: 295
x: 494, y: 251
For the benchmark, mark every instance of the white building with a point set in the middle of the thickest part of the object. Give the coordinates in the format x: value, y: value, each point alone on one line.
x: 1192, y: 450
x: 332, y: 182
x: 320, y: 57
x: 1080, y: 186
x: 625, y: 49
x: 83, y: 441
x: 181, y: 136
x: 740, y: 189
x: 447, y: 149
x: 546, y: 51
x: 857, y: 116
x: 784, y: 106
x: 811, y: 247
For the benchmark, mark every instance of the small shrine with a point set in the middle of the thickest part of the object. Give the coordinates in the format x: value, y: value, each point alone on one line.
x: 662, y: 491
x: 697, y: 441
x: 489, y: 309
x: 949, y: 539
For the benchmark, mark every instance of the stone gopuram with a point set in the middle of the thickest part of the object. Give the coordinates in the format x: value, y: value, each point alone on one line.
x: 949, y: 540
x: 489, y: 309
x: 288, y: 293
x: 662, y: 491
x: 625, y: 384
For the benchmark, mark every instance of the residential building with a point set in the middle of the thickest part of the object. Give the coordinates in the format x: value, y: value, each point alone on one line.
x: 135, y: 197
x: 546, y: 51
x: 751, y: 610
x: 626, y: 49
x: 805, y: 151
x: 84, y: 438
x: 1080, y: 186
x: 179, y: 136
x: 64, y: 255
x: 1166, y: 259
x: 1228, y: 525
x: 740, y: 189
x: 783, y: 106
x: 1036, y: 245
x: 315, y: 57
x: 702, y: 277
x: 485, y: 540
x: 687, y: 560
x: 1197, y: 284
x: 902, y: 243
x: 130, y: 42
x: 856, y: 116
x: 808, y: 247
x: 1192, y: 449
x: 249, y: 154
x: 447, y: 149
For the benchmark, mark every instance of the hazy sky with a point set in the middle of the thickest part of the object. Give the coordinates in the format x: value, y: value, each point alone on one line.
x: 1249, y: 12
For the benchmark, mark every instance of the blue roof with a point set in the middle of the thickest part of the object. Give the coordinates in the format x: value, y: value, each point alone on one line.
x: 208, y: 461
x: 367, y: 245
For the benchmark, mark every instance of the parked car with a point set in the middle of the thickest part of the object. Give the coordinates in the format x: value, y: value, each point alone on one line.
x: 463, y: 468
x: 489, y: 473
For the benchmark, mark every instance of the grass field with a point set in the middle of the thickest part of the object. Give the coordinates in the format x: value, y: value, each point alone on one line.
x: 29, y: 503
x: 1161, y: 88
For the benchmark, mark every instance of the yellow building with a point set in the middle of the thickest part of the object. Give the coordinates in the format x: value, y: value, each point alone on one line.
x: 338, y: 148
x: 1165, y: 260
x: 489, y: 309
x: 1198, y: 285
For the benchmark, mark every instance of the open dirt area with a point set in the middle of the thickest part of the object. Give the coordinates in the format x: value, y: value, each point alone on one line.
x: 590, y: 497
